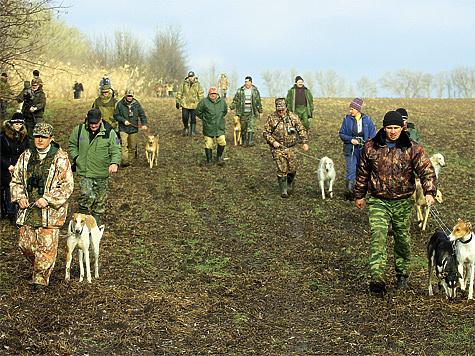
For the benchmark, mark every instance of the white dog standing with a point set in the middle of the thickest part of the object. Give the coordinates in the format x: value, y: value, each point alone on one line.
x: 83, y: 232
x: 326, y: 173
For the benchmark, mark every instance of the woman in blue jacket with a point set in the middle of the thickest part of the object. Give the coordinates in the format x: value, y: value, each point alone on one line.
x: 355, y: 130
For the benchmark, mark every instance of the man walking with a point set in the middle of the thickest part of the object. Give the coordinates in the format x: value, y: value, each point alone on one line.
x: 248, y: 106
x: 106, y: 103
x: 386, y: 169
x: 95, y: 150
x: 281, y: 131
x: 188, y: 96
x: 5, y: 94
x: 33, y: 101
x: 300, y: 101
x: 223, y: 84
x: 212, y: 111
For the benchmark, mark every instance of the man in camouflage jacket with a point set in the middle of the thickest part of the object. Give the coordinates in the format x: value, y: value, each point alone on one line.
x: 386, y: 169
x: 41, y: 184
x: 248, y: 106
x: 223, y: 84
x: 280, y: 132
x: 188, y: 96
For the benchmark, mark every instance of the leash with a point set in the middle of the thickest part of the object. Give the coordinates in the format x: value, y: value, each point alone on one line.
x: 139, y: 128
x: 304, y: 154
x: 435, y: 213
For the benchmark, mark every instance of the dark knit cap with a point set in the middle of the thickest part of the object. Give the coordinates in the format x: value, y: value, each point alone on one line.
x: 297, y: 78
x: 4, y: 74
x: 357, y: 103
x: 93, y: 116
x: 248, y: 78
x: 17, y: 118
x: 403, y: 112
x: 393, y: 118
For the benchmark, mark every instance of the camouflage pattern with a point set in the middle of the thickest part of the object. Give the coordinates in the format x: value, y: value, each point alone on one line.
x: 388, y: 173
x: 223, y: 82
x: 240, y: 98
x: 93, y: 194
x: 58, y: 187
x: 277, y: 128
x: 40, y: 247
x: 43, y: 129
x: 381, y: 213
x: 189, y: 94
x: 248, y: 122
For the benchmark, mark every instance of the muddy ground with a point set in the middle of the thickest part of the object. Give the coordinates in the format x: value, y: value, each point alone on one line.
x: 209, y: 260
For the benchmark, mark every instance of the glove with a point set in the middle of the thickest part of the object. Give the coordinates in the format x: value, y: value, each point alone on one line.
x: 33, y: 109
x: 177, y: 105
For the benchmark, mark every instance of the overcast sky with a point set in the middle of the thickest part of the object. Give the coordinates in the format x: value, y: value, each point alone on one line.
x: 355, y: 38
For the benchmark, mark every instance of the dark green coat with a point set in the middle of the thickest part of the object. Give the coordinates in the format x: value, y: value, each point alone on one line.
x: 291, y: 100
x: 121, y: 114
x: 212, y: 113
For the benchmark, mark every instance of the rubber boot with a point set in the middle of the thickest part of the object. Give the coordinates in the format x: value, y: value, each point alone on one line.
x: 209, y: 155
x: 185, y: 131
x: 249, y: 138
x: 290, y: 183
x: 283, y: 187
x: 220, y: 155
x: 192, y: 129
x: 350, y: 185
x: 244, y: 139
x: 97, y: 217
x: 12, y: 219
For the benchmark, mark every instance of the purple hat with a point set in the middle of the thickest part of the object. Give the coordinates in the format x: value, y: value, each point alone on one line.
x: 357, y: 103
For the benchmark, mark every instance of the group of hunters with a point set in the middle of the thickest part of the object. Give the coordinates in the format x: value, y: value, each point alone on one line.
x: 37, y: 175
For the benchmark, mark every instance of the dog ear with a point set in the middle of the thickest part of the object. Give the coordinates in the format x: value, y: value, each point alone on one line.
x: 469, y: 225
x: 70, y: 228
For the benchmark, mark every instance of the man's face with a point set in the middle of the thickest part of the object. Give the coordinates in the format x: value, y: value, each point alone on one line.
x: 299, y: 83
x: 192, y: 79
x: 95, y: 127
x: 405, y: 124
x: 393, y: 132
x: 106, y: 93
x: 282, y: 111
x: 129, y: 98
x: 34, y: 86
x: 248, y: 84
x: 213, y: 96
x: 42, y: 142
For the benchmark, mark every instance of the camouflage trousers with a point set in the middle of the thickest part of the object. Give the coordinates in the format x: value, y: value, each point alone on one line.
x: 93, y: 194
x: 381, y: 213
x: 248, y: 121
x: 286, y: 161
x: 40, y: 247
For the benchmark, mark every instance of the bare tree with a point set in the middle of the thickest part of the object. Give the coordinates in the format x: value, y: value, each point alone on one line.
x: 209, y: 76
x: 330, y: 83
x: 463, y: 79
x: 166, y: 59
x: 274, y: 82
x: 19, y: 24
x: 101, y: 52
x: 439, y: 83
x: 127, y: 50
x: 365, y: 87
x: 427, y: 84
x: 233, y: 82
x: 310, y: 81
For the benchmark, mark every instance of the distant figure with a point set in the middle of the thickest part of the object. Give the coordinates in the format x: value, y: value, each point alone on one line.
x: 106, y: 103
x: 223, y: 84
x: 300, y: 102
x: 5, y: 94
x: 188, y: 96
x: 36, y: 75
x: 409, y: 126
x: 33, y: 103
x: 106, y: 81
x: 78, y: 88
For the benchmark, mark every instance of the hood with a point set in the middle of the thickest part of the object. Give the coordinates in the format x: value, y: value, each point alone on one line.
x: 12, y: 134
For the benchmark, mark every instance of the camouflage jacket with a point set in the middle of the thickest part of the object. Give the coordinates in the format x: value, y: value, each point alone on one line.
x: 388, y: 173
x: 189, y: 94
x: 240, y: 98
x: 223, y: 82
x: 279, y: 129
x: 58, y: 187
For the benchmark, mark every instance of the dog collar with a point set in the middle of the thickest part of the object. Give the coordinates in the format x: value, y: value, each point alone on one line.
x: 467, y: 241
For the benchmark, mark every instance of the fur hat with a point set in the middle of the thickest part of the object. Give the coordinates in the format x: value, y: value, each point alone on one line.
x: 357, y: 103
x: 43, y: 129
x: 17, y: 118
x: 393, y: 118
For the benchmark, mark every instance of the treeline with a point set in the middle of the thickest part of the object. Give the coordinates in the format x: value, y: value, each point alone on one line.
x: 33, y: 35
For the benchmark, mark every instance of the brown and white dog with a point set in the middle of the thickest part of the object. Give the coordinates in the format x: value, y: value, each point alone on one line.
x: 464, y: 240
x: 83, y: 232
x: 420, y: 203
x: 237, y: 131
x: 151, y: 150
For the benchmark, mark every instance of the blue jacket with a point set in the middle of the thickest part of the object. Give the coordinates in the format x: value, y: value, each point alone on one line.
x: 346, y: 131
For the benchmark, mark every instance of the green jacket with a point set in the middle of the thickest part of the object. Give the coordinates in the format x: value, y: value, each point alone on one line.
x: 189, y: 94
x: 107, y: 107
x: 121, y: 114
x: 291, y: 100
x: 240, y: 98
x: 5, y: 91
x: 93, y: 158
x: 212, y: 112
x: 38, y: 101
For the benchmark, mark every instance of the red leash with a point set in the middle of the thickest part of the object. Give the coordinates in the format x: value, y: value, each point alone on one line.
x: 139, y: 128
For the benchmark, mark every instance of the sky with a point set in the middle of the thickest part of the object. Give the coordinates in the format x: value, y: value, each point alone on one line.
x: 354, y: 38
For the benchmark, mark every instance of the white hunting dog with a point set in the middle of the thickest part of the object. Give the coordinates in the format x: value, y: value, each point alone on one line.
x: 464, y: 240
x: 151, y: 150
x: 326, y: 173
x: 83, y: 232
x: 438, y: 162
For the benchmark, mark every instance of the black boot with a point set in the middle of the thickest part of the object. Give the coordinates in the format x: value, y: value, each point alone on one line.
x: 192, y: 129
x: 220, y: 155
x: 350, y: 185
x: 209, y: 155
x: 244, y: 138
x: 290, y: 183
x: 249, y: 138
x: 185, y: 130
x: 283, y: 187
x: 12, y: 219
